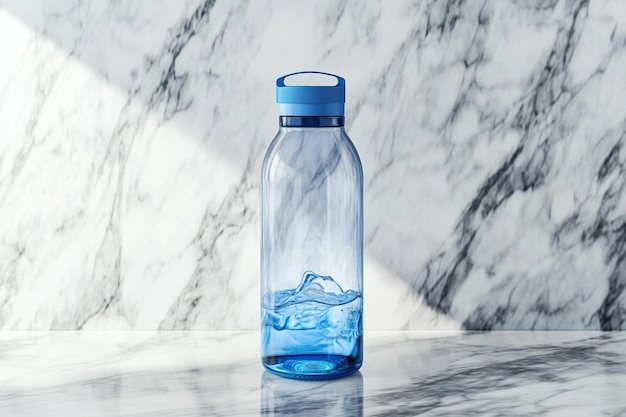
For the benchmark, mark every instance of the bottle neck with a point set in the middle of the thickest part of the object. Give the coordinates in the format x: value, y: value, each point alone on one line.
x: 311, y: 121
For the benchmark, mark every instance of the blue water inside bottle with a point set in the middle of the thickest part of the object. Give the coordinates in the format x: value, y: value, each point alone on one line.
x: 317, y: 316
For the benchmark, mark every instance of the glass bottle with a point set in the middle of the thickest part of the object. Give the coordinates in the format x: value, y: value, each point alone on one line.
x: 311, y: 237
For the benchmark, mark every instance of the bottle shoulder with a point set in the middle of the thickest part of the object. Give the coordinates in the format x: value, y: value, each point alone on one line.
x: 301, y: 150
x: 291, y: 141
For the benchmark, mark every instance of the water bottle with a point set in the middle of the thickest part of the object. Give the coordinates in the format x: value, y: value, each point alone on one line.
x: 311, y: 237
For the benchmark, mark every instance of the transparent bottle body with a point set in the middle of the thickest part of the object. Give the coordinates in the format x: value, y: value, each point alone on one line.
x: 312, y: 254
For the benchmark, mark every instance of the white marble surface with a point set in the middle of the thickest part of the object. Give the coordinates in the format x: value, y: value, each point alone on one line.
x: 404, y: 373
x: 491, y: 135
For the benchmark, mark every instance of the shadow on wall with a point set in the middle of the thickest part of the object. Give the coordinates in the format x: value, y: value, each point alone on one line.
x: 492, y: 128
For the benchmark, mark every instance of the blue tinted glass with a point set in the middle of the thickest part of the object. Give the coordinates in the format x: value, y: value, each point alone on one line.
x: 312, y: 252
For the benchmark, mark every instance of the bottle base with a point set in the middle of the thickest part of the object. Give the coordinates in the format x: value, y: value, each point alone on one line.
x: 312, y: 367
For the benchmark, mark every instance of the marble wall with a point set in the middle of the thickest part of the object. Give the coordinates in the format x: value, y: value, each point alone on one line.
x: 491, y: 135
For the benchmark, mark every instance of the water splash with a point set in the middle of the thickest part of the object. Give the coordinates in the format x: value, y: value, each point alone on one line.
x: 316, y: 317
x: 313, y: 288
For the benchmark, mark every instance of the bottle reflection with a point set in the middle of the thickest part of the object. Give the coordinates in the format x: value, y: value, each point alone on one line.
x: 288, y: 397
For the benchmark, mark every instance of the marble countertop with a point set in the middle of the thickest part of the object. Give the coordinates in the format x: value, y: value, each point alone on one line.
x: 405, y: 373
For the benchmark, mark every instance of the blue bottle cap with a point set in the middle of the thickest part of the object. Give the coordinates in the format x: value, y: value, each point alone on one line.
x: 310, y: 100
